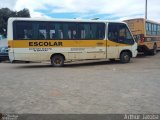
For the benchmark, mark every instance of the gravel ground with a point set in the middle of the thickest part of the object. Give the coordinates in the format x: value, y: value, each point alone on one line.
x: 86, y: 87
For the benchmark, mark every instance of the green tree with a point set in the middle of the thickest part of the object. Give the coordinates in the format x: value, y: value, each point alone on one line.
x: 6, y: 13
x: 23, y: 13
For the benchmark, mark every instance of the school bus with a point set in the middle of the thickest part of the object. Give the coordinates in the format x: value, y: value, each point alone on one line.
x: 59, y: 41
x: 146, y: 33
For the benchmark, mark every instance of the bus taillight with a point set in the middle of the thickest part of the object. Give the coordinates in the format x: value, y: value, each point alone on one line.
x: 141, y: 38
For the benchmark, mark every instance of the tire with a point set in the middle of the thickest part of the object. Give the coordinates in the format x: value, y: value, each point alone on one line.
x: 125, y: 57
x: 57, y: 61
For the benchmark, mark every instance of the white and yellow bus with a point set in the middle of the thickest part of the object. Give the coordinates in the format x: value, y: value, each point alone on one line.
x: 58, y: 41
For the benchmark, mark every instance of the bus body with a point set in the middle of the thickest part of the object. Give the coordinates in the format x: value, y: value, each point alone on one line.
x: 146, y: 33
x: 57, y: 41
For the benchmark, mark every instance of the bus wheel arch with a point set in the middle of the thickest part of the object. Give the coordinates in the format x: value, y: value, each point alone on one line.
x: 125, y: 56
x: 57, y: 60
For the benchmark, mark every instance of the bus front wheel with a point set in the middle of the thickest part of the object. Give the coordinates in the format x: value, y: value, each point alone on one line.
x: 57, y: 61
x: 125, y: 57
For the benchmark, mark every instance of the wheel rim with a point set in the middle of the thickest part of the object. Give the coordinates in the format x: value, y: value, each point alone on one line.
x: 57, y: 61
x: 126, y: 58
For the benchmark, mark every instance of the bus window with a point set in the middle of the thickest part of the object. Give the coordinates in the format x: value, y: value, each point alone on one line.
x: 23, y: 30
x: 84, y: 29
x: 119, y: 32
x: 158, y: 30
x: 148, y: 28
x: 113, y: 32
x: 100, y: 31
x: 155, y: 29
x: 62, y: 31
x: 55, y: 31
x: 125, y: 35
x: 72, y: 31
x: 42, y: 31
x: 91, y: 31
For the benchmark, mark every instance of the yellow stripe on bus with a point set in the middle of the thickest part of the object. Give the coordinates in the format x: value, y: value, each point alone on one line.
x: 61, y: 43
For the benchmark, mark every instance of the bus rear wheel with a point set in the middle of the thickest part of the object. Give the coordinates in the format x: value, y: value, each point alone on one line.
x: 57, y: 61
x: 125, y: 57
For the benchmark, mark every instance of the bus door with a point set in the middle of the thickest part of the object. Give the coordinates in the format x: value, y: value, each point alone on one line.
x: 112, y: 42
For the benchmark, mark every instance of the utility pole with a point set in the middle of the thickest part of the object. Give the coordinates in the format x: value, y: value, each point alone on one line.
x: 146, y: 10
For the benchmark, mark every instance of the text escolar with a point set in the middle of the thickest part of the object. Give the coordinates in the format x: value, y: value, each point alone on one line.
x: 45, y: 44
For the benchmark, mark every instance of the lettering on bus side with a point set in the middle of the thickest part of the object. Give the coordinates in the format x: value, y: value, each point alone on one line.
x: 31, y: 44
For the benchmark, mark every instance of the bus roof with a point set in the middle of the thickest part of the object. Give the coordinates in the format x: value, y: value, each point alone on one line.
x: 142, y: 19
x: 59, y: 20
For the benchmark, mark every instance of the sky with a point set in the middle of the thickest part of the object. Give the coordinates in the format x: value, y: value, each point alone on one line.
x: 117, y: 10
